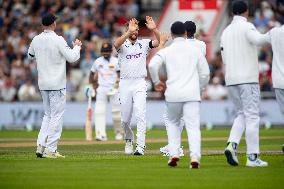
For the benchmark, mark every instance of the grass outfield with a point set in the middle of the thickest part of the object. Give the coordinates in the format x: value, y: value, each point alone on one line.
x: 103, y: 164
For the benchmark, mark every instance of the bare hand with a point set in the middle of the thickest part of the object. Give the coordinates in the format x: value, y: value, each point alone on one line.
x: 133, y: 26
x: 151, y: 25
x: 77, y: 42
x: 160, y: 87
x: 164, y: 37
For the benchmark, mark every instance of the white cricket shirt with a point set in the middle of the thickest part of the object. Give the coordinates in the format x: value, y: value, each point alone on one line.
x: 132, y: 58
x: 276, y: 37
x: 51, y: 53
x: 197, y: 43
x: 239, y: 51
x: 187, y: 71
x: 107, y: 71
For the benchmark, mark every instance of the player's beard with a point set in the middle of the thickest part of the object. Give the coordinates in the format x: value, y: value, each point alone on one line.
x: 133, y: 37
x: 107, y: 57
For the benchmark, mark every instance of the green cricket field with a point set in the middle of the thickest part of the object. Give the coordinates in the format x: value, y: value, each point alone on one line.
x: 104, y: 164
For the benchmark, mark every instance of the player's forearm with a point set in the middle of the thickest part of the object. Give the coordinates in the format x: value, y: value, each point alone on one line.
x: 93, y: 80
x: 120, y: 40
x: 203, y: 81
x: 157, y: 34
x: 161, y: 45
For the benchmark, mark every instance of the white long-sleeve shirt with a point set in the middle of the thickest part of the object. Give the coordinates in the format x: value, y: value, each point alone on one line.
x: 239, y: 51
x: 51, y: 53
x: 199, y: 44
x: 187, y: 71
x: 276, y: 37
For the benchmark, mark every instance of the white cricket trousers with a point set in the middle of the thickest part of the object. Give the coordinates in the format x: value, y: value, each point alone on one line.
x: 100, y: 111
x: 51, y: 127
x: 133, y: 98
x: 190, y: 112
x: 280, y: 99
x: 246, y: 98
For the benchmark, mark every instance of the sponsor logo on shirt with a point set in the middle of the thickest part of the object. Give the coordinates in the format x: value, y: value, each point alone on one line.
x: 111, y: 66
x: 133, y: 56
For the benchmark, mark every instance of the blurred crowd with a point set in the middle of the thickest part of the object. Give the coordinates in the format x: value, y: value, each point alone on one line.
x: 95, y: 21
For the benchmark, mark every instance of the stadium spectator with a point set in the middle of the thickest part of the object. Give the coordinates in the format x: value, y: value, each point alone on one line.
x: 215, y: 90
x: 70, y: 87
x: 8, y: 91
x: 27, y: 92
x: 86, y: 63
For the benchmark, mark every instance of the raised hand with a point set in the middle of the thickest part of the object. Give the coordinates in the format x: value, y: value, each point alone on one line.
x: 151, y: 25
x: 164, y: 37
x: 77, y: 42
x: 133, y: 25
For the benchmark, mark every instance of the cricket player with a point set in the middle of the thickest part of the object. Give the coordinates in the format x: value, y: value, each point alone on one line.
x: 132, y: 53
x: 239, y: 54
x: 104, y: 78
x: 275, y: 37
x: 51, y: 53
x: 187, y: 74
x: 190, y: 28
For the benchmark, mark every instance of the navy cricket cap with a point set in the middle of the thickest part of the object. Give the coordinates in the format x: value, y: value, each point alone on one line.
x: 106, y: 47
x: 178, y: 28
x: 190, y: 27
x: 48, y: 19
x: 239, y: 7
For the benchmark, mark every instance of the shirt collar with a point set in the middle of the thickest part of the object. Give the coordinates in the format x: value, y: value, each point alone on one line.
x: 130, y: 43
x: 191, y: 39
x: 179, y: 39
x: 48, y: 31
x: 239, y: 18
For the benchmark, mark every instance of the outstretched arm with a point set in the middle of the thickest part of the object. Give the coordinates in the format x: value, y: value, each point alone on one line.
x: 151, y: 25
x: 255, y: 37
x: 71, y: 55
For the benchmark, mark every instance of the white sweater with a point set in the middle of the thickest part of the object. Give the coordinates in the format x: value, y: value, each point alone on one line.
x: 51, y: 53
x: 239, y: 51
x: 276, y: 38
x: 187, y: 71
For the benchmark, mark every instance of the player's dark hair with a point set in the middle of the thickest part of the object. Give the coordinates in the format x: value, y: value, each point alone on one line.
x: 178, y: 28
x: 190, y: 28
x: 239, y: 7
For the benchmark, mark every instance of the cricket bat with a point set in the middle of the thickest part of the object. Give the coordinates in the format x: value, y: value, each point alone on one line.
x: 88, y: 127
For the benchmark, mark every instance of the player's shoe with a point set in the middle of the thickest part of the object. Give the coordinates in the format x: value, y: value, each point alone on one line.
x: 139, y: 151
x: 128, y: 149
x: 173, y: 161
x: 118, y: 136
x: 101, y: 138
x: 231, y: 154
x: 52, y: 155
x: 39, y: 151
x: 254, y: 161
x: 194, y: 163
x: 165, y: 151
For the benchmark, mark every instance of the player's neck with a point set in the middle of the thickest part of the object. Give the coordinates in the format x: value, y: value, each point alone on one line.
x: 132, y: 41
